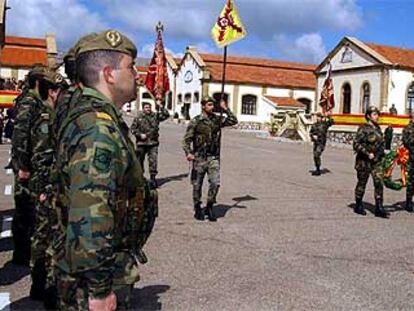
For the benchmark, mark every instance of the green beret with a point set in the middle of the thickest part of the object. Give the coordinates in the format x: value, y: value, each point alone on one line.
x: 109, y: 40
x: 207, y: 99
x: 54, y: 77
x: 70, y: 55
x: 38, y: 70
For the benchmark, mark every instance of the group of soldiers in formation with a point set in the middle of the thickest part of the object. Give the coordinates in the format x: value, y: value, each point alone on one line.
x: 369, y: 146
x: 83, y: 209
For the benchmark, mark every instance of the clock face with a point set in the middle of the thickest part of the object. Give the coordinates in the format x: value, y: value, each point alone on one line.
x: 188, y: 77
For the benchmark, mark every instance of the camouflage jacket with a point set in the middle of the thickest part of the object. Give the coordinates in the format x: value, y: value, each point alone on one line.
x: 22, y: 145
x: 369, y: 139
x: 320, y: 129
x: 408, y: 139
x: 149, y: 124
x: 43, y: 148
x: 103, y: 186
x: 65, y: 101
x: 202, y: 138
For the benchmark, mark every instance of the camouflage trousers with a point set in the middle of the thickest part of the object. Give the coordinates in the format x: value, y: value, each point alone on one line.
x: 410, y: 180
x: 23, y: 221
x: 364, y: 170
x: 318, y: 149
x: 152, y: 153
x: 73, y: 292
x: 201, y: 167
x: 41, y: 255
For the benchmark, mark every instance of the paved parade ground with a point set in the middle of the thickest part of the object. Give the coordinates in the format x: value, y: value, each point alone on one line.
x: 284, y: 241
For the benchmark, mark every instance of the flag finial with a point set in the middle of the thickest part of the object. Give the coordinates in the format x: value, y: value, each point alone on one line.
x: 159, y: 27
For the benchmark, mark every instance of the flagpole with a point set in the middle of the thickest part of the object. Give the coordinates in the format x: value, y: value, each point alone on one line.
x: 223, y: 83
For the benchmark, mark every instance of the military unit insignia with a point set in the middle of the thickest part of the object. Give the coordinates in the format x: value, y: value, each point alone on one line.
x: 103, y: 116
x: 114, y: 38
x: 58, y: 78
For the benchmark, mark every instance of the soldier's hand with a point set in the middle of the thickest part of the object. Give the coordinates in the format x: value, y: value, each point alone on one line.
x: 315, y: 138
x: 42, y: 197
x: 190, y: 157
x: 143, y: 136
x: 106, y: 304
x: 223, y: 105
x: 371, y: 156
x: 23, y: 175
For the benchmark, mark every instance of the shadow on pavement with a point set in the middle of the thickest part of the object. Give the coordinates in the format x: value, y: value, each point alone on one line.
x: 25, y: 303
x: 220, y: 210
x: 166, y: 180
x: 396, y: 207
x: 147, y: 298
x: 11, y: 273
x: 324, y: 171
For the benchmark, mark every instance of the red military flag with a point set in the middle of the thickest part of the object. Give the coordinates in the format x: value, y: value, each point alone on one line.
x: 327, y: 101
x: 157, y: 82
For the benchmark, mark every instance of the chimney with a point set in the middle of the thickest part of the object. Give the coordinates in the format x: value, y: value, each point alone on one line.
x: 51, y: 50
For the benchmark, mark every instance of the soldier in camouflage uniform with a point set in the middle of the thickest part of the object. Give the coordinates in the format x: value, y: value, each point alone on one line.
x: 40, y: 185
x: 318, y: 133
x: 101, y: 182
x: 408, y: 141
x: 23, y: 219
x: 369, y: 149
x: 146, y: 129
x: 201, y: 145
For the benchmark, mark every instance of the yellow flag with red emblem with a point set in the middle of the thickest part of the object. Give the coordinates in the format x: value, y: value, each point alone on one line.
x: 228, y: 27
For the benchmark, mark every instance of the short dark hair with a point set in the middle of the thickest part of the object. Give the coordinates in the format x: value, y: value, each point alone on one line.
x: 44, y: 87
x: 89, y: 64
x: 146, y: 104
x: 31, y: 80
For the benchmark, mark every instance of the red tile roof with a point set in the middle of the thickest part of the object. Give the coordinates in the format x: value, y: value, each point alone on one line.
x: 23, y: 52
x: 285, y: 102
x: 396, y: 55
x: 265, y: 72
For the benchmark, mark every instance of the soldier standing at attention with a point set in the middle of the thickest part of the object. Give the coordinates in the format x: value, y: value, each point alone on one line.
x: 369, y: 149
x: 146, y: 129
x: 408, y: 141
x: 201, y: 145
x: 40, y: 186
x: 23, y: 219
x: 318, y: 133
x: 100, y: 181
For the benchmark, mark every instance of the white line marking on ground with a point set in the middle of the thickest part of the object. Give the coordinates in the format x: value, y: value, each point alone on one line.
x: 9, y: 171
x: 8, y: 190
x: 5, y: 301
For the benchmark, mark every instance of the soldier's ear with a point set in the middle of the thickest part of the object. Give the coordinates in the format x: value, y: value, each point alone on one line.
x: 107, y: 74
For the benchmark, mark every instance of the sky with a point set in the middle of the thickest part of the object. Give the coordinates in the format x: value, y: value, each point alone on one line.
x: 292, y: 30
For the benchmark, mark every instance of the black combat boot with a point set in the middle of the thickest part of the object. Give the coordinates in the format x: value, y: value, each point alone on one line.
x: 409, y: 204
x: 379, y: 209
x: 317, y: 172
x: 359, y: 207
x: 198, y: 212
x: 210, y: 212
x: 50, y: 301
x: 154, y: 181
x: 37, y: 290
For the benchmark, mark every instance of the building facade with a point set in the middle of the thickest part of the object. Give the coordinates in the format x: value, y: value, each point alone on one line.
x: 255, y: 89
x: 366, y: 74
x: 20, y: 54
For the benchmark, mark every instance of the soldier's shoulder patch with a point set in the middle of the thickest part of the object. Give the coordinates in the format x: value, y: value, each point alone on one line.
x: 102, y: 159
x: 103, y: 116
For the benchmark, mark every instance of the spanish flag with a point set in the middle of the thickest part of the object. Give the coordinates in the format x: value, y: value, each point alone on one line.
x: 7, y: 98
x: 228, y: 28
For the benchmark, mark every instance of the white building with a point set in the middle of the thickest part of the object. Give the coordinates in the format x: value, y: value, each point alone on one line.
x: 369, y: 74
x: 255, y: 88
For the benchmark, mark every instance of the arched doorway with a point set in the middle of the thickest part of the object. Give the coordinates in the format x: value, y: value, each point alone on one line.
x: 346, y: 98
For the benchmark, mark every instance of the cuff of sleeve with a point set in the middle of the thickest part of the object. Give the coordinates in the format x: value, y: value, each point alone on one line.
x: 99, y: 289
